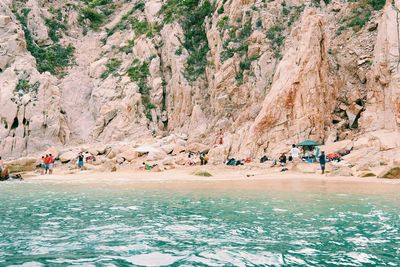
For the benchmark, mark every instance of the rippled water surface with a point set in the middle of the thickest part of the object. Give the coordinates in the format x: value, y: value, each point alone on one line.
x: 49, y: 225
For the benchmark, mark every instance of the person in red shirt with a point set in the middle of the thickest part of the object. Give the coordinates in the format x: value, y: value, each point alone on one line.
x: 51, y: 164
x: 46, y: 164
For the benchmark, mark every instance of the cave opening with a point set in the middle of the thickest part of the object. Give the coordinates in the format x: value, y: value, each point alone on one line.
x: 15, y: 123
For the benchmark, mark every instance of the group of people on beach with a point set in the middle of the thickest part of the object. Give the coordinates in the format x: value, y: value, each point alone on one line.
x: 47, y: 164
x: 295, y: 156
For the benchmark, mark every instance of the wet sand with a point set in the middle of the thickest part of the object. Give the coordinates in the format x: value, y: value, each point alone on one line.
x: 224, y: 178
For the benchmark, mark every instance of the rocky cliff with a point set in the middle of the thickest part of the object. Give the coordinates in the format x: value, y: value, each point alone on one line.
x: 269, y: 73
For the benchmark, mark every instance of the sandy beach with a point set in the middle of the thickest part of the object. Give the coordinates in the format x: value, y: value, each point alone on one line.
x: 223, y: 178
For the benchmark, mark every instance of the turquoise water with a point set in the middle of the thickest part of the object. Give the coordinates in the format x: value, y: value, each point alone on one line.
x: 45, y: 225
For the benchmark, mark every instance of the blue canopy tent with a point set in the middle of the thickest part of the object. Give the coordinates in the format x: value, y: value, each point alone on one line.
x: 311, y: 146
x: 308, y: 143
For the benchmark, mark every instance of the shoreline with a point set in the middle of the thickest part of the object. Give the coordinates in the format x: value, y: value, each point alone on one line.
x: 224, y: 178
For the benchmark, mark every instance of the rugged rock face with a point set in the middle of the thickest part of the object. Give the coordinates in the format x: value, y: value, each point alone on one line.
x: 383, y: 102
x: 268, y: 73
x: 30, y: 113
x: 301, y: 99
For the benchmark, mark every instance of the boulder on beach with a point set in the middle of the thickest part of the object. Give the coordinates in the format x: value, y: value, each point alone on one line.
x: 156, y: 155
x: 337, y: 147
x: 68, y: 156
x: 218, y: 154
x: 144, y: 149
x: 98, y: 149
x: 21, y: 165
x: 153, y: 153
x: 168, y: 148
x: 197, y: 147
x: 168, y: 161
x: 129, y: 154
x: 178, y: 149
x: 341, y: 171
x: 387, y: 140
x: 390, y: 172
x: 111, y: 154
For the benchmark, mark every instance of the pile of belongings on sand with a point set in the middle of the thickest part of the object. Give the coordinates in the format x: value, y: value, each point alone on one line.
x: 234, y: 162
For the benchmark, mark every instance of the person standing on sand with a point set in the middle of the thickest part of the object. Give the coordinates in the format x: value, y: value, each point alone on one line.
x: 51, y: 164
x: 294, y: 152
x: 322, y: 161
x: 205, y: 159
x: 282, y: 159
x: 201, y: 159
x: 46, y: 163
x: 1, y: 165
x: 42, y: 165
x: 80, y: 161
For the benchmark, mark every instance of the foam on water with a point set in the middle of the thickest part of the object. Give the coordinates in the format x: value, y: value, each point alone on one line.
x: 45, y: 225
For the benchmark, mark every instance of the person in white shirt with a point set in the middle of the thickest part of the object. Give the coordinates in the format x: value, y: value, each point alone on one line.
x: 294, y: 152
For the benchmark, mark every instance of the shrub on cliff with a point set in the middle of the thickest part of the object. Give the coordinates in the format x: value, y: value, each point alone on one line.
x: 53, y: 58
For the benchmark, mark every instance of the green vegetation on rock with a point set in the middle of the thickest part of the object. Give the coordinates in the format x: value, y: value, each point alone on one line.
x: 95, y: 3
x: 191, y: 15
x: 24, y: 87
x: 138, y: 72
x: 178, y: 51
x: 112, y: 66
x: 96, y: 12
x: 176, y: 9
x: 375, y: 4
x: 139, y: 6
x: 244, y: 65
x: 237, y: 42
x: 275, y: 35
x: 53, y: 58
x: 96, y: 18
x: 127, y: 49
x: 143, y: 27
x: 56, y: 25
x: 223, y: 24
x: 294, y: 14
x: 360, y: 15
